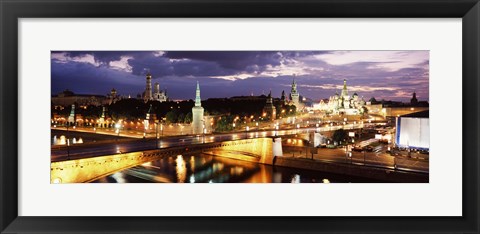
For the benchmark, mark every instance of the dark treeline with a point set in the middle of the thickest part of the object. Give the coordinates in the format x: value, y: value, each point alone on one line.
x: 178, y: 111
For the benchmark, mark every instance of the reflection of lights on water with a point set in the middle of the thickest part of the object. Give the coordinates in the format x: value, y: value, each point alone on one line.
x: 80, y: 141
x: 296, y: 179
x: 326, y: 181
x: 181, y: 169
x: 119, y: 177
x: 63, y: 140
x: 236, y: 170
x: 74, y: 141
x: 55, y: 140
x: 277, y: 177
x: 192, y: 178
x: 217, y: 167
x: 57, y: 181
x: 192, y: 163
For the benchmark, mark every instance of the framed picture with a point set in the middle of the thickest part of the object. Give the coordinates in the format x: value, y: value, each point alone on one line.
x: 209, y: 116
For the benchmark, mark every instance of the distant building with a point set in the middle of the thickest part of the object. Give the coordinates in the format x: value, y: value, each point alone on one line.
x: 198, y: 123
x: 342, y: 104
x: 67, y: 98
x: 413, y: 130
x: 71, y: 118
x: 283, y: 99
x: 269, y: 110
x: 147, y: 95
x: 414, y: 100
x: 294, y: 95
x: 113, y: 96
x: 159, y: 95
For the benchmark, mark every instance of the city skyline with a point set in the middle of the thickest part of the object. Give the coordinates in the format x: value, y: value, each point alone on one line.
x: 389, y: 75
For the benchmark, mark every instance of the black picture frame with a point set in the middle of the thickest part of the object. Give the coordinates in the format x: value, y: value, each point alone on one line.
x: 11, y: 11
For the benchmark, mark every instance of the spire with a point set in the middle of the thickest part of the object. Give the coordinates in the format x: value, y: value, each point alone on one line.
x: 344, y: 91
x: 198, y: 100
x: 294, y: 85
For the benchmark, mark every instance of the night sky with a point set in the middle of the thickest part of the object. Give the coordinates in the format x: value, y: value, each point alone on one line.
x: 389, y: 75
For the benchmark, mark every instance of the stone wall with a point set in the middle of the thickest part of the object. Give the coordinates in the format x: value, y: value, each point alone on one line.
x: 388, y: 175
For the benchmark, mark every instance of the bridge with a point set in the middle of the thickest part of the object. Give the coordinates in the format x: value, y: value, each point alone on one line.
x: 261, y: 150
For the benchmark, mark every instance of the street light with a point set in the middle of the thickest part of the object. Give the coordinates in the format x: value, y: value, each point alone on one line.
x: 204, y: 132
x: 68, y: 149
x: 156, y: 135
x: 117, y: 129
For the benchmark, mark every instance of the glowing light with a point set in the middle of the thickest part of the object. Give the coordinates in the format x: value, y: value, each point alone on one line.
x: 63, y: 140
x: 119, y: 177
x: 181, y: 169
x: 326, y: 181
x: 57, y: 181
x: 296, y: 179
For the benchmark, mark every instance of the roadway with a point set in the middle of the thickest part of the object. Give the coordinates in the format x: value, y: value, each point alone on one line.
x: 114, y: 147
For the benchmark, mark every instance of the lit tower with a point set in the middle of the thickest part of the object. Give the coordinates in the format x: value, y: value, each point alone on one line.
x: 156, y: 88
x: 197, y: 113
x: 71, y: 117
x: 414, y: 100
x: 101, y: 121
x: 294, y: 94
x: 344, y: 90
x: 269, y: 109
x: 148, y: 89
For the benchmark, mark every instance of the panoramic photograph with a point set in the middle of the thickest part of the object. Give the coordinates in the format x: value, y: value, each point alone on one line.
x: 240, y: 116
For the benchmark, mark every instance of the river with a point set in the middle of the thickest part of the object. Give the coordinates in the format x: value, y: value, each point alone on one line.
x: 202, y: 168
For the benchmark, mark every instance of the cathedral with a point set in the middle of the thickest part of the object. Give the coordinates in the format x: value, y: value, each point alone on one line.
x: 157, y: 94
x: 342, y: 103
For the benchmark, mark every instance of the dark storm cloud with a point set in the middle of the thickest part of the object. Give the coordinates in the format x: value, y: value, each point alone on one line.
x: 233, y: 73
x: 241, y: 60
x: 84, y: 78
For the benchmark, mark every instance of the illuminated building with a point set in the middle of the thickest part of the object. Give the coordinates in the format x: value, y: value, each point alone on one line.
x: 197, y: 113
x: 342, y: 104
x: 147, y: 96
x: 269, y: 110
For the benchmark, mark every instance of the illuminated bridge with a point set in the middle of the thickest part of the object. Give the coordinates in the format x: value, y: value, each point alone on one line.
x: 261, y: 150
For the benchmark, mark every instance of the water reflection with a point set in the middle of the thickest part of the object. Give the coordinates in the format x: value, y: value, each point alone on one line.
x: 62, y: 140
x: 181, y: 169
x: 203, y: 168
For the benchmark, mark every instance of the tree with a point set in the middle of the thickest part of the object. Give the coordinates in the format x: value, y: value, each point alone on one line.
x: 180, y: 118
x: 339, y: 135
x: 171, y: 116
x: 224, y: 124
x: 188, y: 117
